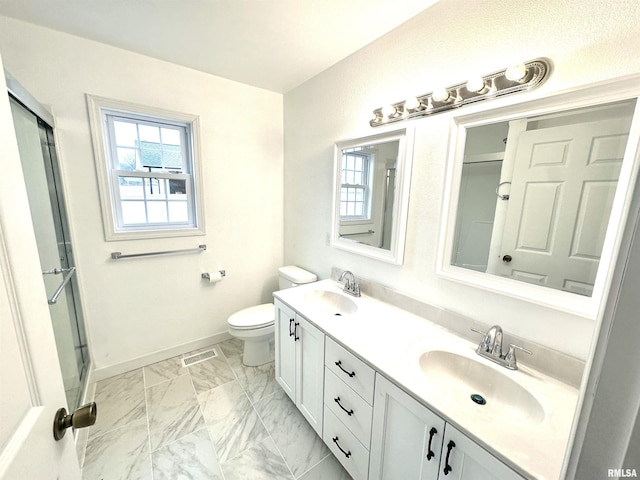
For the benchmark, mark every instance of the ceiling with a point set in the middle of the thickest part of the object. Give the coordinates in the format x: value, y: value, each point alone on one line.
x: 271, y: 44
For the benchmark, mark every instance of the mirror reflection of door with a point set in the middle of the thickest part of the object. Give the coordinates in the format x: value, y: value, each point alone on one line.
x: 560, y: 174
x: 564, y: 182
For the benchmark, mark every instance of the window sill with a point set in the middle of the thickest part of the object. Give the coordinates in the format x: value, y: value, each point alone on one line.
x: 146, y: 234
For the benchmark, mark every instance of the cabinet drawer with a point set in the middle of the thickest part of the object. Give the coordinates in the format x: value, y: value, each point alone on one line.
x: 348, y: 406
x: 350, y: 369
x: 346, y: 447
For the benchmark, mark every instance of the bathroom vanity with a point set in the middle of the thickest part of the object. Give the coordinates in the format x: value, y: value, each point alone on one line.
x: 395, y: 396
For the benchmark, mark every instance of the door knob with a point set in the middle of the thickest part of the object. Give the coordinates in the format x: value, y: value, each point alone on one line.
x: 83, y: 416
x: 507, y: 258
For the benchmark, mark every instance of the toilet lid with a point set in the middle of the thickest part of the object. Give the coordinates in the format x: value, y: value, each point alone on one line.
x: 253, y: 317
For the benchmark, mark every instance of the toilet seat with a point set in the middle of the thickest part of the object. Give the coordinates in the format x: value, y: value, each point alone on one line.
x: 255, y: 317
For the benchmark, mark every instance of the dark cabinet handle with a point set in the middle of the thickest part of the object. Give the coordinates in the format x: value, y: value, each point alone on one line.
x: 291, y: 331
x: 295, y: 332
x: 346, y: 454
x: 430, y: 453
x: 507, y: 258
x: 337, y: 400
x: 447, y: 467
x: 339, y: 364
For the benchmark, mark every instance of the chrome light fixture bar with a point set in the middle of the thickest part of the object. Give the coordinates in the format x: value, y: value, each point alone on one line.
x: 518, y: 78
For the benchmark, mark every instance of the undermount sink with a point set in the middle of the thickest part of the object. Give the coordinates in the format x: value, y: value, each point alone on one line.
x: 471, y: 384
x: 331, y: 303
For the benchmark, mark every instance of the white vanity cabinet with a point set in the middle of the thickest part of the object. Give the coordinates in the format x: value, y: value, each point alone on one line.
x: 348, y: 398
x: 300, y: 362
x: 463, y: 459
x: 406, y: 437
x: 410, y: 442
x: 375, y: 429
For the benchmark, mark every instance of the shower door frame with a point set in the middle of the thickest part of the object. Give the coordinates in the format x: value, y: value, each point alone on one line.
x: 46, y: 130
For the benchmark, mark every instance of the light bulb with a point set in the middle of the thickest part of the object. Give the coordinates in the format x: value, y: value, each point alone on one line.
x: 516, y: 73
x: 412, y: 103
x: 388, y: 111
x: 440, y: 95
x: 476, y: 84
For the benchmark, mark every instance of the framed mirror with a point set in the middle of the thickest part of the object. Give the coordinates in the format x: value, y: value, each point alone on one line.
x: 371, y: 195
x: 537, y: 198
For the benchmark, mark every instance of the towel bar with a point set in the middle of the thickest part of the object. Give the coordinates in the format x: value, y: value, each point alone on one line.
x: 119, y: 255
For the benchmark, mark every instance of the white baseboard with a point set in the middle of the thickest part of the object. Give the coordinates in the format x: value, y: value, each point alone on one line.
x: 148, y: 359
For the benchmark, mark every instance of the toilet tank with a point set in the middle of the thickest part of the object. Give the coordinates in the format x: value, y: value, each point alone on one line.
x: 292, y: 276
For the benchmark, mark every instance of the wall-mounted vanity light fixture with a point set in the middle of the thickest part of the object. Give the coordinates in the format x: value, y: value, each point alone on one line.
x: 518, y: 78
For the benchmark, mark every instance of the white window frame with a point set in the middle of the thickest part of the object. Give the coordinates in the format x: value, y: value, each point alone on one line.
x: 100, y: 109
x: 365, y: 186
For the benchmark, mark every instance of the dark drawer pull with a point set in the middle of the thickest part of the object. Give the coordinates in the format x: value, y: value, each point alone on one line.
x: 295, y: 331
x: 337, y: 400
x: 346, y: 454
x: 430, y: 453
x: 447, y: 467
x: 339, y: 364
x: 292, y: 332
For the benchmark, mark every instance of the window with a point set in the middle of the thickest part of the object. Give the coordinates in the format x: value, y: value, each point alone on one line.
x: 147, y: 170
x: 354, y: 192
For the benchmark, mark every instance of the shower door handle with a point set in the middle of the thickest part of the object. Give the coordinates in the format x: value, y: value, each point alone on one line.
x: 70, y: 271
x: 56, y: 271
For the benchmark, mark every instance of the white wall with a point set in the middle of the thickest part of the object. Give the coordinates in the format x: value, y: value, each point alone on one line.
x: 140, y: 306
x: 446, y: 44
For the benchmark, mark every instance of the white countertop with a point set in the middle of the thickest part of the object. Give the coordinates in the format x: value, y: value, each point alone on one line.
x: 391, y: 340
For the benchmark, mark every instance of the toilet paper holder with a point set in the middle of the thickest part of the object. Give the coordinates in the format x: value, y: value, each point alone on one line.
x: 207, y: 275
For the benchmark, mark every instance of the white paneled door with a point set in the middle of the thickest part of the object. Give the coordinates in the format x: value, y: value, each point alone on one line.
x: 31, y: 387
x: 564, y: 183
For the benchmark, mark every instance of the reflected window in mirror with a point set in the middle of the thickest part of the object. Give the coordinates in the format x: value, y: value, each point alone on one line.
x: 535, y: 196
x: 355, y: 193
x: 371, y: 195
x: 367, y: 193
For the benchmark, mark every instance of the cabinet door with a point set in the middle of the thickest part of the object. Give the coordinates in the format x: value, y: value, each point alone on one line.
x: 285, y: 349
x: 310, y: 373
x: 463, y: 459
x: 406, y: 437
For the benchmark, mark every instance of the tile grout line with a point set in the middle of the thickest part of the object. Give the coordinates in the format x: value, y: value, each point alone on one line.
x: 272, y: 440
x: 252, y: 403
x: 187, y: 372
x: 246, y: 378
x: 162, y: 381
x: 146, y: 410
x: 206, y: 427
x: 315, y: 464
x: 99, y: 438
x: 95, y: 437
x: 258, y: 414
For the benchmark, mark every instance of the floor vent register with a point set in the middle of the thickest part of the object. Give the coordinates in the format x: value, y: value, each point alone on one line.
x: 199, y: 357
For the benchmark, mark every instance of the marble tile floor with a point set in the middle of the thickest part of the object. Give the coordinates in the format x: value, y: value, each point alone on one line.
x: 215, y: 420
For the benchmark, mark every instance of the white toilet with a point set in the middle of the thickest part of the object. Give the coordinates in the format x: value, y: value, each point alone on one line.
x: 255, y: 325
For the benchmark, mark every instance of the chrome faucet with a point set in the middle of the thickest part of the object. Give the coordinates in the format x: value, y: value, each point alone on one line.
x: 490, y: 347
x: 350, y: 285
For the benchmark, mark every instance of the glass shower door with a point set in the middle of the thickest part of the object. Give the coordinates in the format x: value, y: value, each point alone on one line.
x: 42, y: 179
